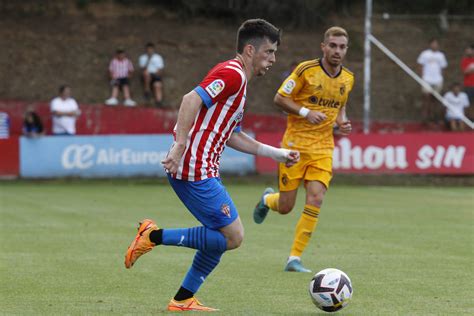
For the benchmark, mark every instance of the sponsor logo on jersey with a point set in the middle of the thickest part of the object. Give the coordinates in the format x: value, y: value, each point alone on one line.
x: 215, y: 87
x: 289, y: 86
x: 329, y: 103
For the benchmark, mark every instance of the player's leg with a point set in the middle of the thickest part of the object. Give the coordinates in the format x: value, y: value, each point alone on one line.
x: 283, y: 201
x: 203, y: 264
x: 317, y: 178
x: 224, y: 219
x: 306, y: 225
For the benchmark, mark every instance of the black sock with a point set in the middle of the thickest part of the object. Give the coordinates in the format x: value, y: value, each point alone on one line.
x: 183, y: 294
x: 156, y: 237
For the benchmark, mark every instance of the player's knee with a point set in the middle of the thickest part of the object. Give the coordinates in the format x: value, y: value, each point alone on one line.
x: 285, y: 208
x: 315, y: 199
x: 235, y: 240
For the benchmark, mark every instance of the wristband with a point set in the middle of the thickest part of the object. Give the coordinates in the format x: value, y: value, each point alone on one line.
x: 303, y: 111
x: 278, y: 154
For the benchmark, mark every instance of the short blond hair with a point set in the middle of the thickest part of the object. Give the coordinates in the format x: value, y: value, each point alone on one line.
x: 335, y: 31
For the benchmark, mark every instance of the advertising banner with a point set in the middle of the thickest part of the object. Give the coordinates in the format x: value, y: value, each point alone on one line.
x: 108, y: 156
x: 417, y: 153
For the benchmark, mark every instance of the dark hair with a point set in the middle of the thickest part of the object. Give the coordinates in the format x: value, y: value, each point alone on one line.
x: 455, y: 84
x: 254, y: 31
x: 120, y: 50
x: 36, y: 124
x: 432, y: 40
x: 149, y: 44
x: 62, y: 88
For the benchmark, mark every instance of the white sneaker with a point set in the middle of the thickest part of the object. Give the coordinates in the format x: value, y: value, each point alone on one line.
x: 129, y: 102
x: 111, y: 101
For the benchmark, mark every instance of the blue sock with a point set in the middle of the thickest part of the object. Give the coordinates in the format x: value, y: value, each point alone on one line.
x: 203, y: 264
x: 200, y: 238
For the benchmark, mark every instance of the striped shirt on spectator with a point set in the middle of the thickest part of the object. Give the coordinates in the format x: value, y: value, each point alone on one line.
x: 120, y: 68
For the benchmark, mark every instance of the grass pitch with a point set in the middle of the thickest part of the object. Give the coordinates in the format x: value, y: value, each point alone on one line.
x: 408, y: 251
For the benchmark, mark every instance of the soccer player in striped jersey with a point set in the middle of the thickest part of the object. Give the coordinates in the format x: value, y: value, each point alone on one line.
x: 209, y: 119
x: 315, y: 97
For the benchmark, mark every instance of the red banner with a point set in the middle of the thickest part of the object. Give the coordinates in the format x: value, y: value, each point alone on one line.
x: 417, y: 153
x: 9, y: 157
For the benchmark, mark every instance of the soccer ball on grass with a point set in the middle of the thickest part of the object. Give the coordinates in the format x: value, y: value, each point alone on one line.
x: 330, y: 290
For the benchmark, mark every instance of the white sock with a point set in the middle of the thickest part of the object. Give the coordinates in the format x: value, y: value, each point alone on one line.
x: 265, y: 199
x: 291, y: 258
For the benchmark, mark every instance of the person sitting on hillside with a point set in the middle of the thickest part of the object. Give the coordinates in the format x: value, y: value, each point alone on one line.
x: 120, y: 71
x: 32, y: 125
x: 458, y: 101
x: 151, y: 65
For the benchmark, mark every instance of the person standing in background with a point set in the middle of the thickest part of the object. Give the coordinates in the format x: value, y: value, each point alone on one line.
x: 65, y: 111
x: 467, y: 67
x: 432, y: 62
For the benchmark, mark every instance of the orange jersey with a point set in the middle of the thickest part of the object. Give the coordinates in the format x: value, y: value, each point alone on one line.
x: 310, y: 86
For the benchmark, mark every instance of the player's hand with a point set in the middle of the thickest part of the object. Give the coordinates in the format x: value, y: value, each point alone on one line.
x: 171, y: 162
x: 292, y: 158
x: 345, y: 128
x: 315, y: 117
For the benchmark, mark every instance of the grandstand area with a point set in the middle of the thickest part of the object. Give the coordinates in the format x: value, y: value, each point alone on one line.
x: 397, y: 218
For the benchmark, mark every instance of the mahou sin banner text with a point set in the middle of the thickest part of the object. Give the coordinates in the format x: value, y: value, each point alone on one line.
x: 421, y: 153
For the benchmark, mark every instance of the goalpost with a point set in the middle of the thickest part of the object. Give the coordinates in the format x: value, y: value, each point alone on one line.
x: 370, y: 39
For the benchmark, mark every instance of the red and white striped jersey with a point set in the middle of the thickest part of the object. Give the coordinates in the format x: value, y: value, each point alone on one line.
x: 223, y: 92
x: 120, y: 68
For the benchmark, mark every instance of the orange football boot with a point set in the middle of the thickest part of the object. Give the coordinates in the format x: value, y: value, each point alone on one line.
x: 191, y: 304
x: 141, y: 244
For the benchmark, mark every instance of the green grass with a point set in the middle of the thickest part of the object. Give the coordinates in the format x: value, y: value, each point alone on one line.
x: 408, y: 251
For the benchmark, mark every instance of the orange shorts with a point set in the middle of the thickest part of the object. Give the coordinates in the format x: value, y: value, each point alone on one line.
x: 311, y: 167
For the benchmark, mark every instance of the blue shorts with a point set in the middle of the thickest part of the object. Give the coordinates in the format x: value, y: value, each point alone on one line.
x: 207, y: 200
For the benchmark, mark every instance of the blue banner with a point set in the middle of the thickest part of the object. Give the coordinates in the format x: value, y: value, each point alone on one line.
x: 109, y: 156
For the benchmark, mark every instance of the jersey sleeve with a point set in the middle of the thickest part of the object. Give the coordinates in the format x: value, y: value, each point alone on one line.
x: 466, y: 102
x: 421, y: 59
x: 218, y: 85
x: 443, y: 61
x: 53, y: 106
x: 292, y: 85
x: 142, y: 61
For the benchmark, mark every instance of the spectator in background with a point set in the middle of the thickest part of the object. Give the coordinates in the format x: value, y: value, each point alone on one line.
x: 32, y: 125
x: 64, y: 110
x: 432, y: 62
x: 288, y: 72
x: 467, y: 67
x: 458, y: 100
x: 151, y: 65
x: 4, y: 125
x: 120, y: 71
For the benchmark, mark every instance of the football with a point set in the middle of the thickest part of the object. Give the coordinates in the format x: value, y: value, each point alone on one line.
x: 330, y: 290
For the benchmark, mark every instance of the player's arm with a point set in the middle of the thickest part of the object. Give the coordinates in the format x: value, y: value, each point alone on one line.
x: 288, y: 105
x: 186, y: 116
x: 244, y: 143
x: 63, y: 113
x: 345, y: 127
